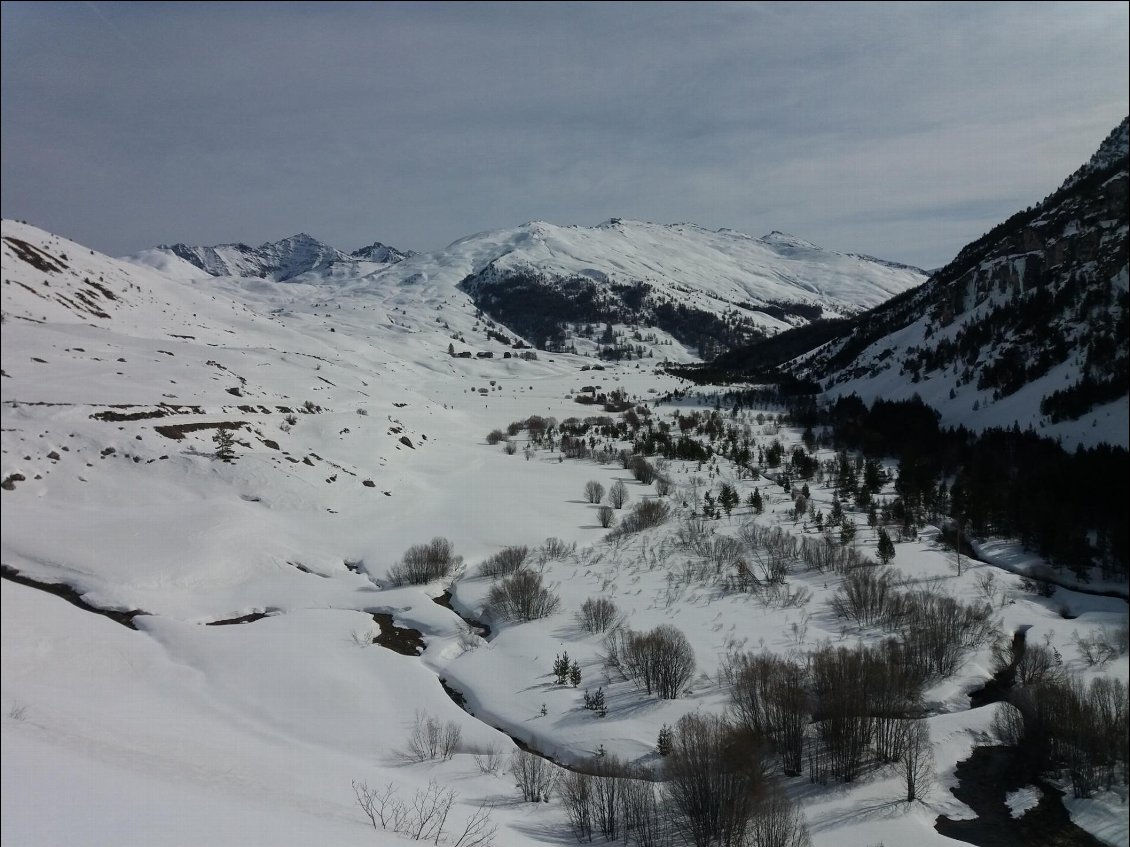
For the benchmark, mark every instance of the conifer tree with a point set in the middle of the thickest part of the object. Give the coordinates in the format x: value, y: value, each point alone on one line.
x: 225, y: 444
x: 886, y: 550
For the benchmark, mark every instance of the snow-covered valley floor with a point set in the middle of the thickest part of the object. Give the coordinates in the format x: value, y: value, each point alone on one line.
x: 356, y: 437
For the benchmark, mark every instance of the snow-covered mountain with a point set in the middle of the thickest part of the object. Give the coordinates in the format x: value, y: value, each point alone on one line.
x: 225, y: 670
x: 1028, y: 325
x: 557, y: 285
x: 278, y: 260
x: 382, y: 253
x: 562, y: 287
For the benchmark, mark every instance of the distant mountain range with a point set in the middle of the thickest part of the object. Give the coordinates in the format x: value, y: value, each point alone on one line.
x: 557, y: 286
x: 278, y: 260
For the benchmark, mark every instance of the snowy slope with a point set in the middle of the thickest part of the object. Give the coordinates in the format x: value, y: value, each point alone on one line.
x: 1026, y: 327
x: 356, y: 436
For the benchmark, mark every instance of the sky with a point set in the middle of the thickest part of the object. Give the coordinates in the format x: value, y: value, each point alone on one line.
x: 900, y: 131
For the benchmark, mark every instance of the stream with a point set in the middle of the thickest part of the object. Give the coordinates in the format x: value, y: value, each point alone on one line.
x: 991, y: 772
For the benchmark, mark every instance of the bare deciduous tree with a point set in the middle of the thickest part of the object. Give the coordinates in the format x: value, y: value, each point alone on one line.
x: 866, y: 597
x: 618, y: 494
x: 645, y: 515
x: 535, y: 776
x: 505, y: 562
x: 430, y: 739
x: 425, y: 562
x: 606, y: 515
x: 594, y: 491
x: 661, y: 661
x: 522, y: 597
x: 599, y: 614
x: 715, y: 776
x: 916, y: 764
x: 777, y: 822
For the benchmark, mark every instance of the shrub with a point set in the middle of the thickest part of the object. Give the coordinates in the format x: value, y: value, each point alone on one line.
x: 594, y: 491
x: 553, y: 549
x: 425, y: 562
x: 645, y: 515
x: 521, y: 597
x: 769, y: 697
x: 661, y: 661
x: 715, y: 776
x: 618, y: 494
x: 495, y: 436
x: 505, y: 562
x: 598, y: 614
x: 534, y: 775
x: 642, y: 470
x: 866, y: 597
x: 606, y: 515
x: 432, y: 740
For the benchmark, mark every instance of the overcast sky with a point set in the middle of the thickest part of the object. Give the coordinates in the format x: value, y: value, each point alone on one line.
x: 903, y: 131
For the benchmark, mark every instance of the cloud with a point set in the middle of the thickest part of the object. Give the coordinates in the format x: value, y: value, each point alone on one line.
x: 857, y: 126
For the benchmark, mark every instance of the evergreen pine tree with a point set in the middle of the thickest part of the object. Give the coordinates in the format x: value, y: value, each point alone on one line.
x: 755, y: 501
x: 575, y: 674
x: 837, y: 513
x: 886, y: 550
x: 665, y: 741
x: 561, y: 668
x: 225, y: 444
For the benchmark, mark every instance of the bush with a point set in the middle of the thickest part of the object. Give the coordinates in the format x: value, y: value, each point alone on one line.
x: 645, y: 515
x: 715, y: 777
x: 495, y: 436
x: 554, y: 549
x: 426, y: 817
x: 642, y: 470
x: 606, y: 515
x: 521, y: 597
x: 598, y: 614
x: 866, y: 597
x: 535, y: 776
x: 505, y: 562
x: 618, y: 494
x: 432, y: 740
x: 661, y: 661
x: 594, y: 491
x: 769, y: 697
x: 425, y: 562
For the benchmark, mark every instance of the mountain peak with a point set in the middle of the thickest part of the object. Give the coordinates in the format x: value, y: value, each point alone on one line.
x: 379, y: 252
x: 776, y: 238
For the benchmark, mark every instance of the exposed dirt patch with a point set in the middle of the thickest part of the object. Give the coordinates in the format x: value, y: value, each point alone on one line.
x: 403, y: 640
x: 59, y: 589
x: 177, y: 431
x: 116, y: 417
x: 39, y: 259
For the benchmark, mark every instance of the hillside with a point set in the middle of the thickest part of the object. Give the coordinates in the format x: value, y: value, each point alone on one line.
x: 209, y: 648
x: 1028, y: 325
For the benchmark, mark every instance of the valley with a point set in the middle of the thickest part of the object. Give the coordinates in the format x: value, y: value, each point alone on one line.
x: 357, y: 438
